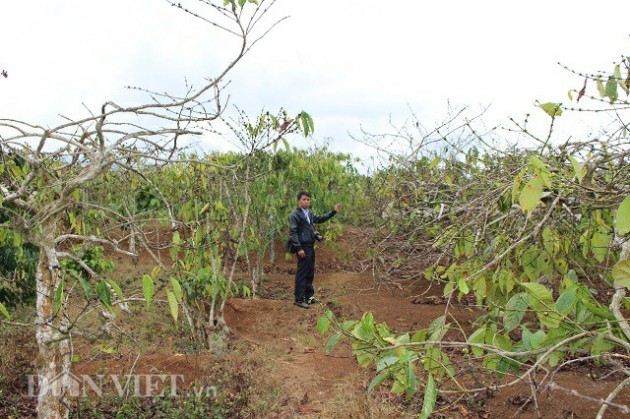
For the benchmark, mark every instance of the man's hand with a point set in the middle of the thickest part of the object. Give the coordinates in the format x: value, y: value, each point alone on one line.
x: 301, y: 253
x: 337, y: 207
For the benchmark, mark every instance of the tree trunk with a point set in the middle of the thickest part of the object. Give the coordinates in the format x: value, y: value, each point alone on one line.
x: 255, y: 277
x: 132, y: 243
x: 272, y: 252
x: 52, y: 340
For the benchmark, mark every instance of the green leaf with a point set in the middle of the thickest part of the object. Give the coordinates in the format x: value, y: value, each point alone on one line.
x: 18, y: 239
x: 622, y: 83
x: 72, y: 218
x: 177, y: 289
x: 430, y: 396
x: 204, y: 209
x: 17, y: 172
x: 383, y: 331
x: 172, y: 304
x: 434, y: 162
x: 463, y: 285
x: 58, y: 298
x: 323, y: 324
x: 539, y: 292
x: 621, y: 274
x: 103, y: 294
x: 437, y: 328
x: 518, y: 182
x: 600, y: 88
x: 174, y: 252
x: 600, y: 345
x: 4, y: 311
x: 332, y: 341
x: 537, y: 164
x: 506, y: 280
x: 386, y: 362
x: 307, y: 123
x: 552, y: 109
x: 412, y: 381
x: 611, y: 89
x: 287, y: 147
x: 514, y: 311
x: 529, y: 262
x: 431, y: 360
x: 541, y: 300
x: 549, y: 240
x: 400, y: 382
x: 363, y: 352
x: 566, y: 301
x: 378, y: 380
x: 617, y: 72
x: 447, y: 366
x: 555, y: 357
x: 116, y: 288
x: 622, y: 217
x: 599, y: 245
x: 531, y: 194
x: 477, y: 337
x: 105, y: 349
x: 572, y: 277
x: 419, y: 336
x: 85, y: 285
x: 537, y: 339
x: 76, y: 194
x: 148, y: 289
x: 364, y: 329
x: 580, y: 171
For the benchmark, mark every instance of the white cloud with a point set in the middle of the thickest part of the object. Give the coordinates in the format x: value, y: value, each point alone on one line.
x: 349, y: 63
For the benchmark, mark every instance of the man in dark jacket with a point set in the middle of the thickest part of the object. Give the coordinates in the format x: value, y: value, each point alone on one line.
x: 302, y: 239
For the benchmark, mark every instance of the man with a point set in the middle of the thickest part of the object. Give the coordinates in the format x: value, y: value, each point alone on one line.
x: 302, y: 238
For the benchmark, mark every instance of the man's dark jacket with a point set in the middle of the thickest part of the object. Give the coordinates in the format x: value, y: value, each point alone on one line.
x: 301, y: 232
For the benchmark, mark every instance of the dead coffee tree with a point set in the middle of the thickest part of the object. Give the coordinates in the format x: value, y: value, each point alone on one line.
x: 45, y: 174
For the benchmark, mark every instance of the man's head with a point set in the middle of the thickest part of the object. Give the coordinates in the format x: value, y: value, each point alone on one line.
x: 304, y: 199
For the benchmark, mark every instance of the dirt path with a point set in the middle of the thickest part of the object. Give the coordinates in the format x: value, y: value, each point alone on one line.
x: 316, y: 384
x: 312, y: 380
x: 308, y: 375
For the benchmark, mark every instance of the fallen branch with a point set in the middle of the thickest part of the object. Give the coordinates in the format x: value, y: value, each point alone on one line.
x: 611, y: 397
x: 624, y: 409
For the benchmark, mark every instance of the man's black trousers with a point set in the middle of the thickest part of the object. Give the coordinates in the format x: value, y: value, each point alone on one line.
x: 305, y: 274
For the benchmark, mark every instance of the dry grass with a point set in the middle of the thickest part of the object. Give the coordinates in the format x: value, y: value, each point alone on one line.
x: 352, y: 401
x: 17, y: 358
x: 258, y: 379
x: 306, y: 339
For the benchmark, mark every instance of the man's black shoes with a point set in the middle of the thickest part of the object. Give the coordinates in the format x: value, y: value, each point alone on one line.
x: 302, y: 304
x: 307, y: 304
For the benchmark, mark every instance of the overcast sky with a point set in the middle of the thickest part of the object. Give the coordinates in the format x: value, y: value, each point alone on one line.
x: 349, y: 63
